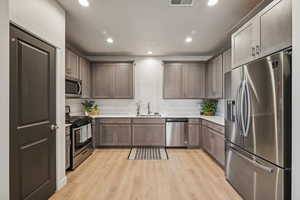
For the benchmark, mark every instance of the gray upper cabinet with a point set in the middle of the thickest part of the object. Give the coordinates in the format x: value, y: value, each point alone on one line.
x: 214, y: 78
x: 194, y: 80
x: 85, y: 77
x: 72, y: 65
x: 112, y: 80
x: 227, y: 61
x: 275, y: 27
x: 173, y: 79
x: 243, y: 43
x: 269, y: 31
x: 184, y: 80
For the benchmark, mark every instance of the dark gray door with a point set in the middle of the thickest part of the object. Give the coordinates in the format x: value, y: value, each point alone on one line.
x: 32, y: 117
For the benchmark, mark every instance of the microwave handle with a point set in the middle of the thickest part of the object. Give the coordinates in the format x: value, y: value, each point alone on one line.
x: 80, y: 87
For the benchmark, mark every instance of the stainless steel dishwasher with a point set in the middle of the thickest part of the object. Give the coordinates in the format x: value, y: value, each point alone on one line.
x: 176, y: 132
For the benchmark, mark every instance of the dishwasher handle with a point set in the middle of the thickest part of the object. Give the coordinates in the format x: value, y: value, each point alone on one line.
x: 177, y: 120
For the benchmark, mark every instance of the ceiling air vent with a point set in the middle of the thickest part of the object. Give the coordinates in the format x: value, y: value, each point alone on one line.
x: 181, y: 2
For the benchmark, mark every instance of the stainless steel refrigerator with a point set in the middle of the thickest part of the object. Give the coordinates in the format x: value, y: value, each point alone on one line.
x: 258, y: 128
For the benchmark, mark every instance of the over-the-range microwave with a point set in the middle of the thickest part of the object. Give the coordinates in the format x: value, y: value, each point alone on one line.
x: 73, y: 87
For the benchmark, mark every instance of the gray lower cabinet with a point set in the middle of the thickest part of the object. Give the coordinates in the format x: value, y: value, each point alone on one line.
x: 213, y: 142
x: 113, y: 132
x: 148, y: 133
x: 68, y: 148
x: 184, y: 80
x: 112, y: 81
x: 194, y: 135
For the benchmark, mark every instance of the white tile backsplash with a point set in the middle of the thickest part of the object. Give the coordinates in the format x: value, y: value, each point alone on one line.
x: 148, y: 88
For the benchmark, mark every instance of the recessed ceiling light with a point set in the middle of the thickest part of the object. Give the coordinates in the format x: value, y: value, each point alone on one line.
x: 84, y: 3
x: 150, y: 52
x: 188, y: 39
x: 212, y: 2
x: 109, y: 40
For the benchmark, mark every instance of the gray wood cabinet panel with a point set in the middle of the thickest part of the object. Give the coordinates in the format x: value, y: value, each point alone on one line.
x: 243, y: 44
x: 217, y: 148
x: 72, y: 64
x: 103, y: 80
x: 214, y: 78
x: 194, y: 80
x: 85, y: 77
x: 194, y: 135
x: 173, y: 79
x: 276, y: 27
x: 112, y: 80
x: 68, y: 149
x: 124, y: 81
x: 148, y: 134
x: 227, y: 61
x: 148, y: 121
x: 115, y: 135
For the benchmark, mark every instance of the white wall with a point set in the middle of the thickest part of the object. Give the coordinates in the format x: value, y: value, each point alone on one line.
x: 46, y: 19
x: 4, y: 100
x: 148, y: 88
x: 296, y: 102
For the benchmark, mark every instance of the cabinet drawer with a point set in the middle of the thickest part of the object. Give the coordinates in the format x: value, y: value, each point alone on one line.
x: 194, y: 121
x: 148, y: 121
x: 214, y: 126
x: 115, y: 121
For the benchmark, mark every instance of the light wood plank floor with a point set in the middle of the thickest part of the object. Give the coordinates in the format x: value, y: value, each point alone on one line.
x: 108, y: 175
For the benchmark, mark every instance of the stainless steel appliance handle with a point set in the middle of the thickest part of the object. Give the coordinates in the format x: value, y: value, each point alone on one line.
x: 237, y: 110
x: 242, y: 107
x: 253, y: 162
x: 186, y: 133
x: 253, y: 51
x: 248, y: 100
x: 80, y: 88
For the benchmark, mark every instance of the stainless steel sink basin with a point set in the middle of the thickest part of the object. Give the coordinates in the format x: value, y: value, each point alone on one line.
x: 150, y: 116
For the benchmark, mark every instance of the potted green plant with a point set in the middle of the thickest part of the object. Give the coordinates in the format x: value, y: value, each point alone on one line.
x: 89, y: 108
x: 209, y: 107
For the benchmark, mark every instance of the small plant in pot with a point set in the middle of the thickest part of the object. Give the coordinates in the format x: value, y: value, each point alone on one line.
x: 89, y: 108
x: 209, y: 107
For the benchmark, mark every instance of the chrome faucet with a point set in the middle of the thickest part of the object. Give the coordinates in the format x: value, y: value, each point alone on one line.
x: 138, y: 108
x: 149, y: 110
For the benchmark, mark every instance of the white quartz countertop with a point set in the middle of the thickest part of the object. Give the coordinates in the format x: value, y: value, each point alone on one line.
x: 215, y: 119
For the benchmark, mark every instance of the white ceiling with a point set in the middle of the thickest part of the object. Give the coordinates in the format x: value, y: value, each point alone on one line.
x: 139, y: 26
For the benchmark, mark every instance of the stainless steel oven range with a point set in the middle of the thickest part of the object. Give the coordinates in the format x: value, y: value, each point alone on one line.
x: 81, y: 138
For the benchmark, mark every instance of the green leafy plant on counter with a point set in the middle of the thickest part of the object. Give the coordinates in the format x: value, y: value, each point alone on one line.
x: 209, y: 107
x: 88, y: 106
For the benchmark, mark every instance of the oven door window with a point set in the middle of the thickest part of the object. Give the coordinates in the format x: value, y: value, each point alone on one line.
x: 83, y: 136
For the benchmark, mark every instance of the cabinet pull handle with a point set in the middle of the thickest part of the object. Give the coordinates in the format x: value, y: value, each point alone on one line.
x: 253, y: 51
x: 257, y: 49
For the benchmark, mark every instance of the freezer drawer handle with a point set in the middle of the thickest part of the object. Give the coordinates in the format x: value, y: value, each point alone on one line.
x: 253, y: 162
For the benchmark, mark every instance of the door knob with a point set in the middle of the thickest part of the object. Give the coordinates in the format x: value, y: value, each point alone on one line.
x: 53, y: 127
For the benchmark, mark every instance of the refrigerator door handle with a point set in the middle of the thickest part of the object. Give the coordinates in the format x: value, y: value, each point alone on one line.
x: 237, y: 110
x: 253, y: 162
x: 248, y: 100
x: 242, y: 107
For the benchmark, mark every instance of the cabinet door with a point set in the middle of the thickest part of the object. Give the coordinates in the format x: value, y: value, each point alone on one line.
x: 243, y: 44
x: 73, y: 62
x: 122, y: 135
x: 123, y: 81
x: 217, y: 146
x: 148, y: 135
x: 68, y: 64
x: 68, y: 152
x: 275, y: 27
x: 206, y: 144
x: 194, y: 135
x: 107, y: 136
x: 227, y: 61
x: 209, y: 80
x: 103, y: 80
x: 173, y: 81
x: 217, y: 77
x: 85, y: 74
x: 194, y: 80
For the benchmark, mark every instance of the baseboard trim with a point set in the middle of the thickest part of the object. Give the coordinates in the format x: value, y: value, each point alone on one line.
x: 61, y: 183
